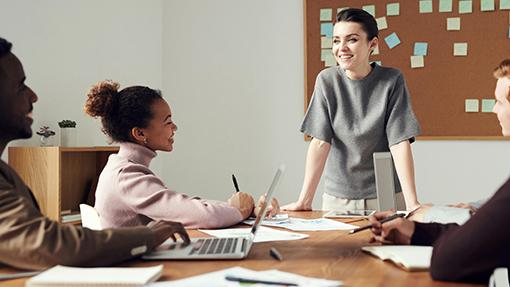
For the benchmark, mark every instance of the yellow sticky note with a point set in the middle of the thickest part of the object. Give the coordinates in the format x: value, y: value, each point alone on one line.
x: 460, y: 49
x: 370, y: 9
x: 326, y: 14
x: 426, y: 6
x: 326, y: 43
x: 417, y: 62
x: 329, y: 60
x: 453, y: 24
x: 382, y: 23
x: 488, y: 105
x: 487, y: 5
x: 392, y: 9
x: 445, y: 6
x: 465, y: 6
x: 471, y: 106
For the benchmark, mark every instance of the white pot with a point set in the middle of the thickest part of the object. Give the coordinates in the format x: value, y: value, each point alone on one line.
x: 68, y: 137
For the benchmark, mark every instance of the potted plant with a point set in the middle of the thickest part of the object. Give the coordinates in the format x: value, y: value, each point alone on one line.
x: 67, y: 133
x: 45, y: 132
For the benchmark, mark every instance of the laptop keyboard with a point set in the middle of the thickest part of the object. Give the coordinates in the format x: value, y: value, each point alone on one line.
x: 215, y: 246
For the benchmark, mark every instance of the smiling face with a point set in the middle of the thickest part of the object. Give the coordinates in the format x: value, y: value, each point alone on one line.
x: 16, y: 100
x: 502, y: 106
x: 352, y: 48
x: 161, y: 129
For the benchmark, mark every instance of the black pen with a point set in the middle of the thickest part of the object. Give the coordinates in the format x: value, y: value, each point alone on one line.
x: 275, y: 254
x: 249, y: 280
x: 234, y: 180
x: 391, y: 217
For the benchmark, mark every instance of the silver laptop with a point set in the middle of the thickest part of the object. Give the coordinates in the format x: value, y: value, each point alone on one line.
x: 212, y: 247
x: 384, y: 181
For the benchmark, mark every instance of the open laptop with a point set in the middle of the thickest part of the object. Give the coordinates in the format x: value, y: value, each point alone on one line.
x: 212, y: 247
x: 384, y: 181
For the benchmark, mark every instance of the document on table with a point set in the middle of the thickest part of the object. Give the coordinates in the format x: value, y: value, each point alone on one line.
x: 217, y: 279
x: 301, y: 224
x: 264, y: 234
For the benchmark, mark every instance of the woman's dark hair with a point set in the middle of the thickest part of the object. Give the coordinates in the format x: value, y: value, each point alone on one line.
x: 5, y: 47
x: 121, y: 111
x: 362, y: 17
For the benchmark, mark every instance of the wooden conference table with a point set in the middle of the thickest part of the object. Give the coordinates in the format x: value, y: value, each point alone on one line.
x: 325, y: 254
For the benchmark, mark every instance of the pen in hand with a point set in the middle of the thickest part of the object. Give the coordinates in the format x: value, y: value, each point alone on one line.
x: 234, y: 180
x: 391, y: 217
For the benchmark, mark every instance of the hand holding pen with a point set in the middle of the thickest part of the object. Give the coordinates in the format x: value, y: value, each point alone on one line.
x: 398, y: 230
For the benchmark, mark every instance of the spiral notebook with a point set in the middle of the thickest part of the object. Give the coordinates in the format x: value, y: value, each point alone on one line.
x: 98, y: 276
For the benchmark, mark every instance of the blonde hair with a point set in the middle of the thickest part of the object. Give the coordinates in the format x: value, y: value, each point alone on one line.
x: 503, y: 70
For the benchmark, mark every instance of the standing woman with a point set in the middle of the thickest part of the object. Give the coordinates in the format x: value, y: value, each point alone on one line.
x: 357, y: 108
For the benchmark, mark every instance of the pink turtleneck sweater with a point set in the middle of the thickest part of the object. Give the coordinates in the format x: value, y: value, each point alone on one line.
x: 128, y: 194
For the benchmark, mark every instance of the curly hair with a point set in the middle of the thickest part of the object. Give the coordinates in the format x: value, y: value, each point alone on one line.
x: 121, y: 111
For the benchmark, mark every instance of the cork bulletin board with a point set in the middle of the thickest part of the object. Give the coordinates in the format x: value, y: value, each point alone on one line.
x: 453, y: 45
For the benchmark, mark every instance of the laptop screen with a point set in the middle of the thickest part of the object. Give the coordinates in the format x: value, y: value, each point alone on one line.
x: 269, y: 197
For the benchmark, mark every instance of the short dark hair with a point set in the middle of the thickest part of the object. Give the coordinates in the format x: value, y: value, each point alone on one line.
x: 362, y: 17
x: 5, y: 47
x: 120, y: 111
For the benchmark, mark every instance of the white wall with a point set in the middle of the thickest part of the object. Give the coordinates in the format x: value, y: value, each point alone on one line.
x: 232, y: 71
x: 66, y: 46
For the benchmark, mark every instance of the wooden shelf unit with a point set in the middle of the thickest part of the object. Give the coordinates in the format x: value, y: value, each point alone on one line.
x: 60, y: 177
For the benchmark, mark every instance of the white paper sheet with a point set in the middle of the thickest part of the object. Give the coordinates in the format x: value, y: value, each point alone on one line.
x: 301, y: 224
x: 217, y: 279
x: 264, y: 234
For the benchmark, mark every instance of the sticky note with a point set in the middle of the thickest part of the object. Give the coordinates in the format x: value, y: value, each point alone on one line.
x: 471, y: 106
x: 376, y: 50
x: 370, y: 9
x: 504, y: 4
x: 426, y: 6
x: 420, y: 48
x: 392, y: 9
x: 327, y: 29
x: 338, y: 10
x: 326, y: 14
x: 445, y: 6
x: 460, y: 49
x: 487, y: 5
x: 417, y: 62
x: 382, y: 23
x: 488, y: 105
x: 326, y: 42
x: 392, y: 40
x: 325, y: 53
x: 453, y: 24
x: 465, y: 6
x: 329, y: 60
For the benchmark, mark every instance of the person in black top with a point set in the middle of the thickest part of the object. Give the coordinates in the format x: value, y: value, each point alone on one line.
x: 470, y: 252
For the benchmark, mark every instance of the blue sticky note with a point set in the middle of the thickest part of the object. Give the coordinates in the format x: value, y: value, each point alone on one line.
x: 445, y: 6
x: 426, y: 6
x: 393, y: 9
x: 487, y: 5
x: 504, y: 4
x: 392, y: 40
x: 465, y: 6
x: 420, y: 48
x: 327, y: 29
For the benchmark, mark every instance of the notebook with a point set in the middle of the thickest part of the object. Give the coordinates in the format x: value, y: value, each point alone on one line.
x: 102, y: 276
x: 212, y: 247
x: 409, y: 257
